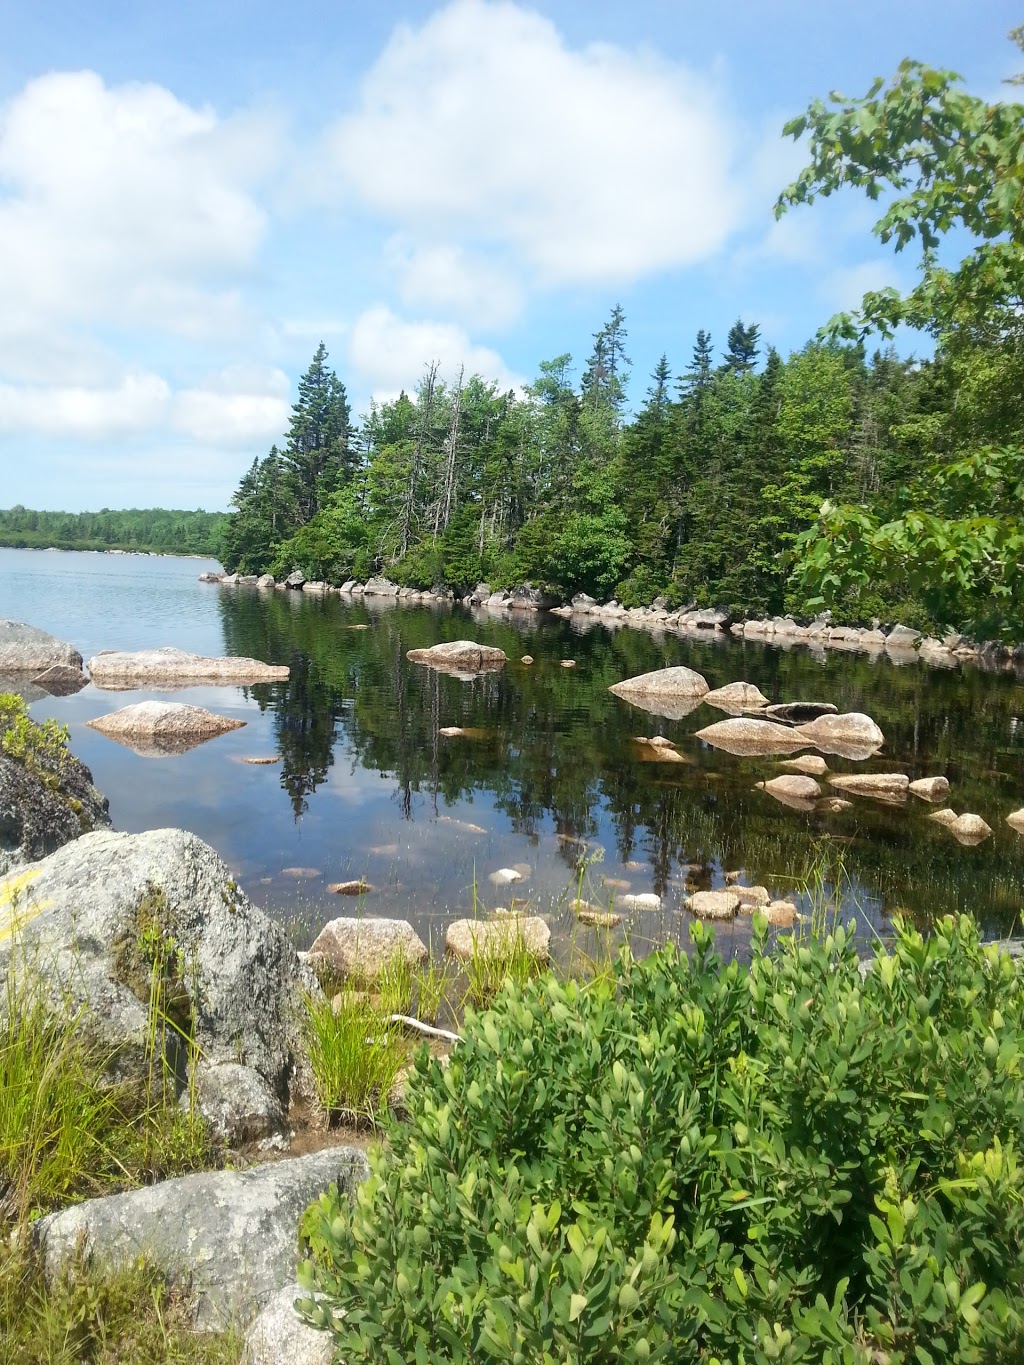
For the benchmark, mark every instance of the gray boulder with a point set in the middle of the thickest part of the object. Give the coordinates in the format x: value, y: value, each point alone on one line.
x: 747, y: 737
x: 669, y: 692
x: 228, y: 1236
x: 265, y: 580
x: 100, y: 915
x: 44, y: 807
x: 295, y: 579
x: 737, y: 697
x: 380, y: 587
x: 280, y: 1337
x: 528, y: 598
x: 583, y: 605
x: 902, y: 637
x: 29, y: 655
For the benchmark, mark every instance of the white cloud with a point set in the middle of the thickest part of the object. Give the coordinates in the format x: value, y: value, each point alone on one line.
x: 593, y: 165
x: 139, y: 402
x: 240, y: 406
x: 449, y: 278
x: 844, y: 288
x: 121, y: 205
x: 390, y: 353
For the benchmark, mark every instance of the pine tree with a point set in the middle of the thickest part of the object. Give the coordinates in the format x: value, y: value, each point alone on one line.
x: 319, y: 450
x: 742, y: 347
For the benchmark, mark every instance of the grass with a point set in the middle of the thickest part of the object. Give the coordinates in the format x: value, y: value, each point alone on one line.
x: 123, y: 1317
x: 355, y: 1053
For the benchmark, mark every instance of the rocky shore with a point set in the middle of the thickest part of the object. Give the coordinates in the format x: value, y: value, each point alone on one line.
x: 896, y: 642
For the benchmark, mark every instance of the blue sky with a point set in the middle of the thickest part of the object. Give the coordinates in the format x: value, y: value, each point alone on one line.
x: 193, y: 195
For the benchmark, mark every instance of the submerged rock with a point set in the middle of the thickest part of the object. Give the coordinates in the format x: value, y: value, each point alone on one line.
x: 713, y: 904
x: 931, y: 788
x: 780, y: 913
x: 228, y: 1237
x: 594, y: 915
x: 460, y: 655
x: 646, y: 900
x: 751, y: 898
x: 737, y: 696
x: 498, y: 939
x: 120, y: 670
x: 969, y: 829
x: 360, y: 949
x: 811, y: 764
x: 793, y: 788
x: 747, y: 737
x: 881, y: 786
x: 161, y: 729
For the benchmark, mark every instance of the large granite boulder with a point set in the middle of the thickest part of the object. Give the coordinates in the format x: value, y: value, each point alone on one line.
x: 852, y: 735
x: 95, y: 920
x: 228, y: 1237
x: 160, y: 729
x: 882, y: 786
x: 122, y: 671
x: 29, y: 655
x: 45, y: 804
x: 528, y: 598
x: 380, y: 587
x: 737, y: 697
x: 460, y: 655
x: 280, y: 1337
x: 669, y: 692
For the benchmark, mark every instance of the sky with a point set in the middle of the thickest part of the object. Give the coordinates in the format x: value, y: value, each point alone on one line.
x: 194, y: 194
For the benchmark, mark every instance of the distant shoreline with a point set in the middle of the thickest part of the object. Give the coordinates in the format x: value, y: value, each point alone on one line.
x: 12, y: 544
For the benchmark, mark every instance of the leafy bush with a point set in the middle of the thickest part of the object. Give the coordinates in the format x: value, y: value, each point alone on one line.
x: 43, y: 749
x: 686, y: 1161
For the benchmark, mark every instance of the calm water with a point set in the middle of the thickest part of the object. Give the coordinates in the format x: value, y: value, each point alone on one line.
x: 366, y: 787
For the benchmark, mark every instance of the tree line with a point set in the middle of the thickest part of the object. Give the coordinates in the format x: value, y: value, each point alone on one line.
x: 155, y: 529
x: 838, y: 475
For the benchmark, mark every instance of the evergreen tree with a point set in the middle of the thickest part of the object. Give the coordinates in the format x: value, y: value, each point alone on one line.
x: 319, y: 449
x: 741, y: 347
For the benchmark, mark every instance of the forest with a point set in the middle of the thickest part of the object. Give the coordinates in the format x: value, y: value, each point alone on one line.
x: 153, y: 529
x: 845, y: 474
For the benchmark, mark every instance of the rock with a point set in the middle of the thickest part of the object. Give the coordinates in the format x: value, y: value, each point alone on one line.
x: 567, y: 663
x: 710, y: 618
x: 505, y: 876
x: 263, y: 760
x: 931, y: 788
x: 751, y: 898
x: 92, y: 911
x: 947, y: 818
x: 713, y: 904
x: 669, y: 692
x: 498, y: 939
x: 853, y: 735
x: 295, y: 579
x: 353, y: 888
x: 360, y: 949
x: 737, y: 696
x: 781, y: 913
x: 529, y: 598
x: 237, y: 1102
x: 617, y: 883
x: 45, y: 807
x: 731, y: 877
x: 265, y: 580
x: 1016, y: 820
x: 229, y: 1236
x: 745, y: 737
x: 118, y: 670
x: 460, y: 655
x: 657, y: 742
x: 159, y: 729
x: 380, y: 587
x: 592, y: 914
x: 301, y: 872
x: 28, y: 651
x: 526, y: 659
x: 480, y: 593
x: 811, y: 764
x: 280, y: 1337
x: 661, y: 752
x: 318, y: 587
x: 800, y: 712
x: 969, y: 829
x: 60, y: 680
x: 499, y: 599
x: 465, y: 732
x: 583, y: 605
x: 211, y: 577
x: 833, y: 804
x: 902, y: 637
x: 882, y: 786
x: 646, y: 900
x: 935, y: 652
x: 792, y: 787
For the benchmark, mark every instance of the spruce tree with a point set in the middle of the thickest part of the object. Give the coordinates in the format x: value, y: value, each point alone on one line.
x: 319, y: 450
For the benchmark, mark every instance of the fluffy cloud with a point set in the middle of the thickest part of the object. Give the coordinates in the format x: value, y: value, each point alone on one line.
x: 592, y: 166
x: 238, y: 407
x: 447, y: 277
x: 390, y: 354
x: 120, y: 205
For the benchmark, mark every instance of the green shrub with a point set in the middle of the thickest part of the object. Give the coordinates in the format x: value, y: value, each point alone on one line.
x: 685, y: 1161
x: 43, y: 749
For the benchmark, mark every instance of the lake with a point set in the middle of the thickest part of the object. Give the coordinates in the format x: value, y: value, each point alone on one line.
x: 364, y: 786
